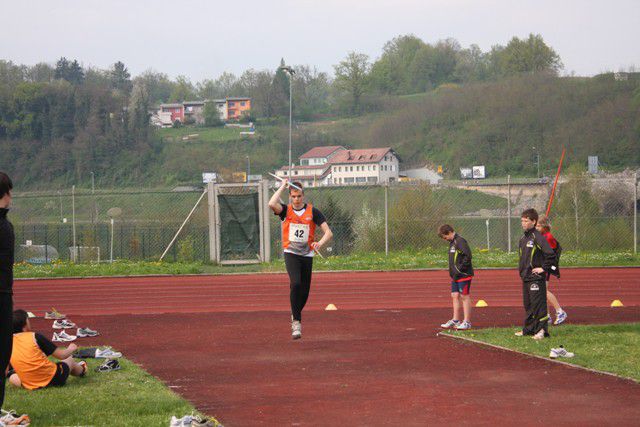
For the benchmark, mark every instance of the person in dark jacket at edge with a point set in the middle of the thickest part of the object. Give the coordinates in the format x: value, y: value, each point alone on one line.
x: 536, y: 260
x: 7, y: 244
x: 461, y: 272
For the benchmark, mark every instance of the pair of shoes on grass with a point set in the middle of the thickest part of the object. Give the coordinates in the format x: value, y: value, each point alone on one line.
x: 456, y: 324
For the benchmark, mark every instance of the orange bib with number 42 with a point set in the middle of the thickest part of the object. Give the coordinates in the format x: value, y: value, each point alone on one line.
x: 298, y: 232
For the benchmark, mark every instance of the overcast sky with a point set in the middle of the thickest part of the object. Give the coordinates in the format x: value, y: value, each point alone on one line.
x: 201, y: 39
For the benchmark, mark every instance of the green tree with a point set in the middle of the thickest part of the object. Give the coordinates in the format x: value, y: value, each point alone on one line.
x: 139, y: 113
x: 351, y: 78
x: 391, y: 73
x: 531, y: 55
x: 120, y: 77
x: 183, y: 90
x: 212, y: 115
x: 157, y: 85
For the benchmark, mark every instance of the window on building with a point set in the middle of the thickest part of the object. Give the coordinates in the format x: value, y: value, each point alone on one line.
x: 349, y: 180
x: 372, y: 179
x: 304, y: 162
x: 242, y: 104
x: 361, y: 179
x: 295, y: 172
x: 350, y: 168
x: 232, y: 104
x: 374, y: 167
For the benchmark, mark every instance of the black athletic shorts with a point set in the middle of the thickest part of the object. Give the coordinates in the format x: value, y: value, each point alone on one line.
x: 61, y: 375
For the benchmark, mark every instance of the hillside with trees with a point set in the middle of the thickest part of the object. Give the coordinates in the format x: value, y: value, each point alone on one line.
x: 436, y: 103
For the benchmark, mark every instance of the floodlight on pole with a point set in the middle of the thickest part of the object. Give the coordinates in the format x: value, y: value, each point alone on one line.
x: 290, y: 71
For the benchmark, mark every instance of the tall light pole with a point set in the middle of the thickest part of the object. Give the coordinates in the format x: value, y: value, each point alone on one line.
x: 537, y: 160
x: 93, y: 196
x: 248, y: 167
x: 290, y: 71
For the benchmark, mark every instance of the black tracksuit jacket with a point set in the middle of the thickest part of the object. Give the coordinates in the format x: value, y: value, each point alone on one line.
x: 7, y: 244
x: 459, y: 258
x: 535, y: 252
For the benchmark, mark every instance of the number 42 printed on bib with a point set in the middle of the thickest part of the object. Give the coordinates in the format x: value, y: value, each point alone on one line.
x: 298, y: 233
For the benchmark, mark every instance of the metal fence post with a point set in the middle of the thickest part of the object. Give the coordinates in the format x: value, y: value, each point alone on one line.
x: 509, y: 213
x: 488, y: 239
x: 212, y: 222
x: 386, y: 219
x: 635, y: 213
x: 73, y: 209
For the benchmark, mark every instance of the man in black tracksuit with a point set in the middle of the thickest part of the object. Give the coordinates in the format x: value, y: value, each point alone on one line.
x: 461, y: 272
x: 536, y: 260
x: 7, y: 242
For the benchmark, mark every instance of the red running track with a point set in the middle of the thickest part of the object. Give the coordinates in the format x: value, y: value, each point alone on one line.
x: 353, y: 290
x: 375, y: 361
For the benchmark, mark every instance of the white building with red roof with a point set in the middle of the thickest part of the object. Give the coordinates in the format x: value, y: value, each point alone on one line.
x: 336, y: 165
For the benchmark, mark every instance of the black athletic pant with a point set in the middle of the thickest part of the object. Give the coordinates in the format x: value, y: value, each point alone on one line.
x: 299, y: 269
x: 534, y: 296
x: 6, y: 337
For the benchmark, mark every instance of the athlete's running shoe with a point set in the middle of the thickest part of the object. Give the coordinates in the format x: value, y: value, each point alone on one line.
x: 539, y: 335
x: 54, y: 315
x: 296, y: 329
x: 450, y: 324
x: 109, y: 365
x: 107, y: 353
x: 86, y: 332
x: 11, y: 418
x: 519, y: 333
x: 560, y: 317
x: 63, y: 337
x: 463, y: 326
x: 185, y: 421
x: 202, y: 422
x: 63, y: 324
x: 560, y: 352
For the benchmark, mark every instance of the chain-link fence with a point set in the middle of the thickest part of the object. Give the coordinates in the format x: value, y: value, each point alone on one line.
x: 84, y: 226
x: 588, y: 214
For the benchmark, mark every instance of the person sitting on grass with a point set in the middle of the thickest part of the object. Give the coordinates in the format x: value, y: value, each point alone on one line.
x: 31, y: 367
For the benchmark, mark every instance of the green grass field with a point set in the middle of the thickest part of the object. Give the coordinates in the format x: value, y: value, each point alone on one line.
x: 128, y: 397
x: 402, y: 260
x: 608, y: 348
x: 213, y: 134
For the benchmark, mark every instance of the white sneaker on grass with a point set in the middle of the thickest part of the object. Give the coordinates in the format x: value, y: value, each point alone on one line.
x: 450, y: 324
x: 107, y: 353
x: 181, y: 422
x: 463, y: 326
x: 560, y: 352
x: 296, y: 329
